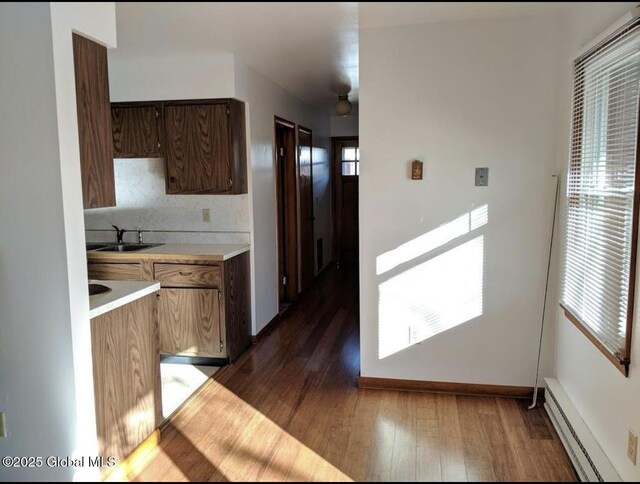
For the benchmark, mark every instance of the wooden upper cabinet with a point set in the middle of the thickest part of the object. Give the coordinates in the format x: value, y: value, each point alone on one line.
x: 205, y: 148
x: 94, y: 123
x: 136, y: 130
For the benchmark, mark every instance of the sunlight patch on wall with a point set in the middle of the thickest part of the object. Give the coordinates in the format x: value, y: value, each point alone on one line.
x: 433, y: 239
x: 433, y: 296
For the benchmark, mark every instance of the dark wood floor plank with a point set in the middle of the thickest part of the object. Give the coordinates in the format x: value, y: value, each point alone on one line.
x: 290, y: 410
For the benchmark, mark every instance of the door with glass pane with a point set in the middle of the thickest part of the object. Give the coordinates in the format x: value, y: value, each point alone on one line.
x: 346, y: 155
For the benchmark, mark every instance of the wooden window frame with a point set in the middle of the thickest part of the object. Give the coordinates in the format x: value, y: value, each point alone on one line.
x: 622, y: 359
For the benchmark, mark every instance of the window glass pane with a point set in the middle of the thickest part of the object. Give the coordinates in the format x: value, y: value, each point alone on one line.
x: 357, y: 168
x: 349, y: 168
x: 358, y: 154
x: 348, y: 154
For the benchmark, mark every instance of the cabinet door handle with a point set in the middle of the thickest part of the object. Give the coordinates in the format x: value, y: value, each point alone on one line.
x: 182, y: 273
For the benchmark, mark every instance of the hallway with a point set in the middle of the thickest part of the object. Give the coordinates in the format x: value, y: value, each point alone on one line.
x: 290, y: 409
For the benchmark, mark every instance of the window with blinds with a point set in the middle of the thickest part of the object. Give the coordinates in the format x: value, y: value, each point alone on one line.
x: 601, y: 237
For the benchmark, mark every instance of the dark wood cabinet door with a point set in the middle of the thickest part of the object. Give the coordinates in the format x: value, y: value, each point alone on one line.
x: 136, y: 132
x: 239, y: 147
x: 197, y: 151
x: 94, y: 123
x: 237, y: 305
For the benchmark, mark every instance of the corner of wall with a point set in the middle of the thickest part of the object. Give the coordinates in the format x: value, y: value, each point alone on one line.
x: 97, y: 21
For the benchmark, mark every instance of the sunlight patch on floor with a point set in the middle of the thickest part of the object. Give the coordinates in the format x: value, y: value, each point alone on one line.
x: 179, y: 381
x: 237, y: 455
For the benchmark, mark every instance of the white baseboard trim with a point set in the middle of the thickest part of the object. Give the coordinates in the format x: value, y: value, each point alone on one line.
x: 588, y: 458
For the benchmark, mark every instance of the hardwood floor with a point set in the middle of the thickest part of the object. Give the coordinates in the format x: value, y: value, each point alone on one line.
x: 290, y: 409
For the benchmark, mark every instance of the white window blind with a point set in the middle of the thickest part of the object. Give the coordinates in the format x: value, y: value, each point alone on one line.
x: 600, y: 238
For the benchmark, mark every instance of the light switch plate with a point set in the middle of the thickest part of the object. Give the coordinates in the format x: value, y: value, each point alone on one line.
x: 206, y: 215
x: 482, y: 177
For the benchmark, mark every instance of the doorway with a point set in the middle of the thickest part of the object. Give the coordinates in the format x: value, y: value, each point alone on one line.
x: 286, y: 211
x: 346, y: 173
x: 305, y: 164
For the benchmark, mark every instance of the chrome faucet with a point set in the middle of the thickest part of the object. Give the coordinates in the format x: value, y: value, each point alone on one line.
x: 140, y: 236
x: 119, y: 234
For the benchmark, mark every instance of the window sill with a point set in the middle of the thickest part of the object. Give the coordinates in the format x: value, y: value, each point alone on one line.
x: 624, y: 369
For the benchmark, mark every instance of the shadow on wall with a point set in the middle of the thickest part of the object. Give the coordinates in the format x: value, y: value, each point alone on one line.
x: 428, y: 286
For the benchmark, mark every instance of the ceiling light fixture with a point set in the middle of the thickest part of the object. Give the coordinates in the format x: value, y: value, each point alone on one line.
x: 343, y: 106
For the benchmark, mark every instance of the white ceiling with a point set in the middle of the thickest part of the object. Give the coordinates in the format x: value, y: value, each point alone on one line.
x: 388, y: 14
x: 311, y: 49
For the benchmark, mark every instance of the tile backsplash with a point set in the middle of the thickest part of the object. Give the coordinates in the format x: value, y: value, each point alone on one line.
x: 143, y: 204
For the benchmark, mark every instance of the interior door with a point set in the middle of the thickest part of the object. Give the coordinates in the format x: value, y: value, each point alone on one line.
x: 346, y: 156
x: 307, y: 246
x: 287, y: 211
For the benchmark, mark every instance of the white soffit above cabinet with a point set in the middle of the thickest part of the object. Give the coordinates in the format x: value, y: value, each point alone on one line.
x: 310, y: 49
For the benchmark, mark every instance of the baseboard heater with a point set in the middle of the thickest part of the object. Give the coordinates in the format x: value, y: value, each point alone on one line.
x: 588, y: 458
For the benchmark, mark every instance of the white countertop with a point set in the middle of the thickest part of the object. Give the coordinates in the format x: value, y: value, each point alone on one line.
x: 213, y: 252
x: 222, y: 251
x: 122, y: 292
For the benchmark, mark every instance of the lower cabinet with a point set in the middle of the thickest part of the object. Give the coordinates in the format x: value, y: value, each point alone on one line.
x: 204, y: 307
x: 126, y: 376
x: 190, y: 322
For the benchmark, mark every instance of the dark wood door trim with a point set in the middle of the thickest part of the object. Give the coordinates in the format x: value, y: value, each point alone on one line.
x: 284, y: 122
x: 306, y: 253
x: 289, y: 189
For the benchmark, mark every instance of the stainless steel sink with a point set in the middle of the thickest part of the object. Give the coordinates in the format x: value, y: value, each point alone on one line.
x: 95, y: 289
x: 94, y: 245
x: 126, y: 247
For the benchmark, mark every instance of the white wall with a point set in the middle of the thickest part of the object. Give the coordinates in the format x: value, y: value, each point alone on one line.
x: 45, y: 347
x: 141, y: 200
x: 96, y: 21
x: 265, y: 100
x: 470, y: 94
x: 344, y: 125
x: 149, y: 78
x: 32, y: 182
x: 607, y: 401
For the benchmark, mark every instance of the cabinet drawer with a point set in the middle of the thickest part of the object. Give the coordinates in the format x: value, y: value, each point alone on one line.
x: 115, y: 272
x: 187, y: 275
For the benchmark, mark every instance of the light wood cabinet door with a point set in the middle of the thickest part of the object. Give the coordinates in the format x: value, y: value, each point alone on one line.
x: 126, y: 375
x: 190, y: 322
